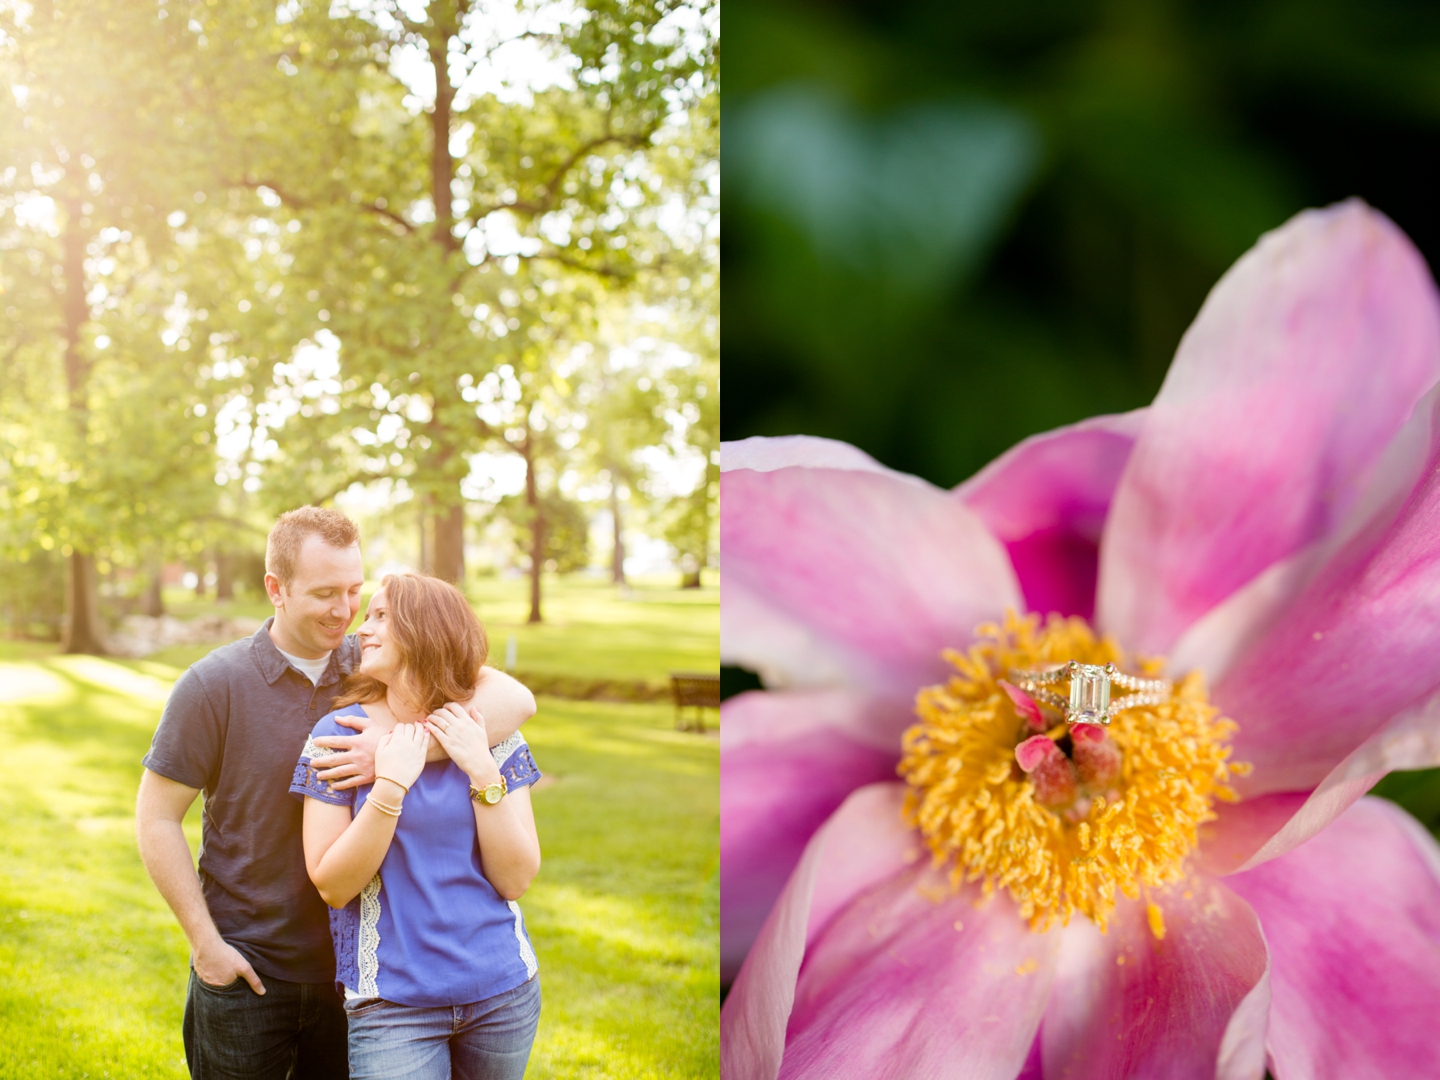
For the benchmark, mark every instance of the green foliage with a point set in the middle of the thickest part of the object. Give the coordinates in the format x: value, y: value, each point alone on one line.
x: 32, y: 591
x: 1128, y: 155
x: 244, y: 265
x: 83, y: 246
x: 567, y: 530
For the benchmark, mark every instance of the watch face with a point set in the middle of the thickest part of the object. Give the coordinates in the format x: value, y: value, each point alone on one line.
x: 494, y: 793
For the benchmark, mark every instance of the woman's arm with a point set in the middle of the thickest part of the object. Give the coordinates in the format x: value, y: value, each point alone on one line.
x: 509, y: 844
x: 342, y: 854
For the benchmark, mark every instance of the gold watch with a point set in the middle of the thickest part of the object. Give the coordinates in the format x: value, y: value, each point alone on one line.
x: 490, y: 793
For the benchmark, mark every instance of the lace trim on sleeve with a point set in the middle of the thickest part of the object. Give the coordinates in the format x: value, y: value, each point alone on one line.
x: 304, y: 782
x: 516, y: 762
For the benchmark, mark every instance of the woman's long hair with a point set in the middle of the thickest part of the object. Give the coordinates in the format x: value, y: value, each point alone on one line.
x: 440, y: 642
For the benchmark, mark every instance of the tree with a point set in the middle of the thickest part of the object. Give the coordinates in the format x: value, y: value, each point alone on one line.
x: 98, y: 132
x: 422, y: 228
x: 563, y: 544
x: 624, y: 415
x: 694, y: 520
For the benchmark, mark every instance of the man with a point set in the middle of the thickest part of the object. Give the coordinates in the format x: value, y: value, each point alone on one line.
x: 261, y: 1001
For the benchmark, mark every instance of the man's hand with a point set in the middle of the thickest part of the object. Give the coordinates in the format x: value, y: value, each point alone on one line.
x: 355, y: 763
x: 220, y: 964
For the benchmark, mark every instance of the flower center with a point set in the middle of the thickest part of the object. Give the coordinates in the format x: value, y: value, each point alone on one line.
x: 1063, y: 817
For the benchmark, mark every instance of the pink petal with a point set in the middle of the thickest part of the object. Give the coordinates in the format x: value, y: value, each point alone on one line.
x: 1252, y: 832
x: 913, y: 980
x: 864, y: 843
x: 1242, y: 829
x: 796, y: 451
x: 1228, y: 632
x: 1024, y: 705
x: 776, y: 644
x: 1191, y: 1005
x: 1353, y: 923
x: 1047, y: 498
x: 1304, y: 362
x: 1033, y: 1069
x: 787, y: 761
x: 880, y: 571
x: 1351, y: 651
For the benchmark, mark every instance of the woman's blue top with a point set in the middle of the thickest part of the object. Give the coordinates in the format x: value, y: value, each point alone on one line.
x: 429, y: 929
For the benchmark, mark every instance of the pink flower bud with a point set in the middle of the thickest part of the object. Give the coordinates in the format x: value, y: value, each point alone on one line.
x: 1049, y: 770
x: 1097, y: 759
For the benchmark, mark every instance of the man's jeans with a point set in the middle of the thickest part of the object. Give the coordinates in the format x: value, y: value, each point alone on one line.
x: 296, y: 1030
x: 488, y: 1040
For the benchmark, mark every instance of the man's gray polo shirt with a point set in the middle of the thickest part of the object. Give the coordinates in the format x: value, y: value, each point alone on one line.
x: 234, y: 727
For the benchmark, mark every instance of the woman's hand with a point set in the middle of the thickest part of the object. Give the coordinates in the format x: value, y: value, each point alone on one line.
x: 401, y: 753
x: 464, y: 738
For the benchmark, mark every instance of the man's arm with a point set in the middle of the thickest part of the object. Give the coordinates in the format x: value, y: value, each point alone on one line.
x: 503, y: 703
x: 159, y: 811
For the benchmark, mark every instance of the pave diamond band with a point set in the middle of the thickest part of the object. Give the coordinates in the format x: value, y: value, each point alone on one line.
x: 1089, y: 699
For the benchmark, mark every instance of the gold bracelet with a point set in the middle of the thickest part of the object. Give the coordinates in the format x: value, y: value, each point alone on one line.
x: 384, y: 808
x: 397, y: 783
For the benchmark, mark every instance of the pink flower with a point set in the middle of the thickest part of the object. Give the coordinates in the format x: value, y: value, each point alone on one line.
x: 1271, y: 522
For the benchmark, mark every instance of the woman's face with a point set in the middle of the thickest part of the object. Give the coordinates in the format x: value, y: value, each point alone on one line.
x: 379, y: 658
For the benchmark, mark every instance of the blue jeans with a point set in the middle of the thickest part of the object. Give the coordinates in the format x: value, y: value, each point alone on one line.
x: 295, y: 1030
x: 487, y: 1040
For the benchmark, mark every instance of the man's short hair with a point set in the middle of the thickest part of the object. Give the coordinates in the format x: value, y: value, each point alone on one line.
x: 282, y: 546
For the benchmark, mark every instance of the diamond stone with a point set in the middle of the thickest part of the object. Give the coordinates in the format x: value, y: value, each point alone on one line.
x: 1089, y: 694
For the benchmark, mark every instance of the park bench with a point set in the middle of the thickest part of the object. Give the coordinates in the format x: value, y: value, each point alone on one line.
x: 694, y: 689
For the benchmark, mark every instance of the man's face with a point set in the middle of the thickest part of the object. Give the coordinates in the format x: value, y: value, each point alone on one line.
x: 313, y: 610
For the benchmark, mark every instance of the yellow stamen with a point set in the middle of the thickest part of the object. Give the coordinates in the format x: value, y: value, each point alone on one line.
x: 1157, y: 920
x: 977, y: 811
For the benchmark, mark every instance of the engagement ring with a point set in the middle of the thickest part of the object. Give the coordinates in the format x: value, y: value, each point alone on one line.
x: 1089, y: 701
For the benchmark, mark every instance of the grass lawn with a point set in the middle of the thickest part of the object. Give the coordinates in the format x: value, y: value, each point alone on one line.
x: 624, y: 914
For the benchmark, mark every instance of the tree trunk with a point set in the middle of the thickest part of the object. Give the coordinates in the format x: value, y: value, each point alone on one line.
x: 427, y: 548
x: 442, y: 166
x: 154, y: 601
x: 537, y: 563
x: 617, y: 555
x: 82, y: 599
x: 224, y: 576
x: 450, y: 544
x: 537, y: 534
x: 82, y: 630
x: 702, y: 557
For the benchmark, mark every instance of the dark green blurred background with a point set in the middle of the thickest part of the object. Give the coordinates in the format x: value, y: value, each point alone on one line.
x: 948, y: 226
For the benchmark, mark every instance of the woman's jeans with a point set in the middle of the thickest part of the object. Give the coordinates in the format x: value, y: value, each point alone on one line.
x: 487, y: 1040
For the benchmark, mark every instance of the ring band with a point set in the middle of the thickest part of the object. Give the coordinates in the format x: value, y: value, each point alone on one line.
x: 1089, y: 701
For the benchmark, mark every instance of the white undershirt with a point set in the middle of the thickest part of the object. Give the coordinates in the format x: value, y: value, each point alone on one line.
x: 311, y: 669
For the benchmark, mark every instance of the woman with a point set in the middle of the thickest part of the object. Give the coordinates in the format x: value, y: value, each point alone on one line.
x: 422, y: 869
